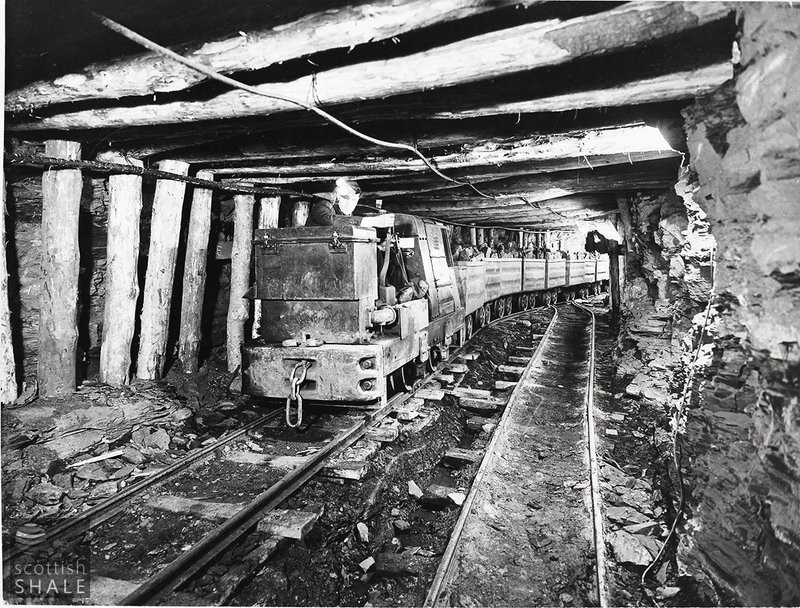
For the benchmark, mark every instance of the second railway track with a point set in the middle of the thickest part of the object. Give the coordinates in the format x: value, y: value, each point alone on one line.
x: 530, y: 531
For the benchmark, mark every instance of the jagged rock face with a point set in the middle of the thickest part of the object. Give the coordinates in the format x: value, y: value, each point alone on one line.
x: 25, y: 254
x: 743, y: 434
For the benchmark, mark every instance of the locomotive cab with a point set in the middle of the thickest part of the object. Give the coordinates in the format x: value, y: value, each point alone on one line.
x: 329, y: 304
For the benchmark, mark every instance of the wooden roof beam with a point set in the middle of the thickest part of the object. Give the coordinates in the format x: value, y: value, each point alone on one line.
x: 516, y: 49
x: 341, y: 27
x: 537, y: 188
x: 607, y: 146
x: 669, y: 87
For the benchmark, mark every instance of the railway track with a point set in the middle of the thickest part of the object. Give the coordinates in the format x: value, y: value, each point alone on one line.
x: 497, y: 557
x: 140, y: 534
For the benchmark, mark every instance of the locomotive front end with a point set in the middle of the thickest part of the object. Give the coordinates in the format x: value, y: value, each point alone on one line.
x: 316, y: 288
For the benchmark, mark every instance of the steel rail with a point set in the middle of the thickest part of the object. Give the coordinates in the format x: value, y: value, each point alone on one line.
x: 594, y: 471
x: 181, y: 569
x: 109, y: 507
x: 445, y: 571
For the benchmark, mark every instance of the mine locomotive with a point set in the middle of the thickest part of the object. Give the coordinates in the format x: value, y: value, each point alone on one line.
x: 352, y: 310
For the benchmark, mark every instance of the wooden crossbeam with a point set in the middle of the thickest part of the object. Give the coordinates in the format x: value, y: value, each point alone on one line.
x: 614, y: 145
x: 683, y: 84
x: 480, y: 58
x: 340, y: 27
x: 535, y: 188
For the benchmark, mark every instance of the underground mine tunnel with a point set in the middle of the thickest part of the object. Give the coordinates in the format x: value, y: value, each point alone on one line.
x: 379, y: 303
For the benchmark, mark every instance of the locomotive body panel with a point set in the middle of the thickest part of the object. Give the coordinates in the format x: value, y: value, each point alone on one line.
x: 338, y: 372
x: 317, y: 282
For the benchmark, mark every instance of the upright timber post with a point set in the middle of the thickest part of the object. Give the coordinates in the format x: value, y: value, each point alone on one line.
x: 8, y: 381
x: 194, y: 276
x: 164, y: 237
x: 58, y: 318
x: 122, y: 273
x: 240, y: 276
x: 613, y: 276
x: 300, y: 213
x: 268, y: 212
x: 473, y: 236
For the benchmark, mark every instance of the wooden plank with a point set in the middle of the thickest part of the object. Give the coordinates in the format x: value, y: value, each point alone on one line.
x: 194, y: 276
x: 353, y: 462
x: 480, y: 406
x: 502, y: 385
x: 165, y: 229
x: 122, y: 273
x: 683, y: 84
x: 8, y: 379
x: 430, y: 394
x: 239, y: 307
x: 460, y: 456
x: 446, y: 378
x: 510, y: 369
x: 58, y: 311
x: 515, y: 359
x: 471, y: 392
x: 491, y: 158
x: 386, y: 432
x: 335, y: 28
x: 288, y: 523
x: 212, y: 511
x: 558, y: 186
x: 479, y: 58
x: 469, y: 356
x: 458, y: 368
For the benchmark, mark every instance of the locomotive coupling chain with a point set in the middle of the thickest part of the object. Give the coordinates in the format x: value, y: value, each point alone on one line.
x: 296, y: 379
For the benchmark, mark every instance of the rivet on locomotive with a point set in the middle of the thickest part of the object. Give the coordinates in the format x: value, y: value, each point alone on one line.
x: 352, y: 311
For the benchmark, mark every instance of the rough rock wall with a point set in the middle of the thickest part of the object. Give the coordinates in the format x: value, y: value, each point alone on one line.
x: 24, y: 208
x: 23, y: 228
x: 742, y: 441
